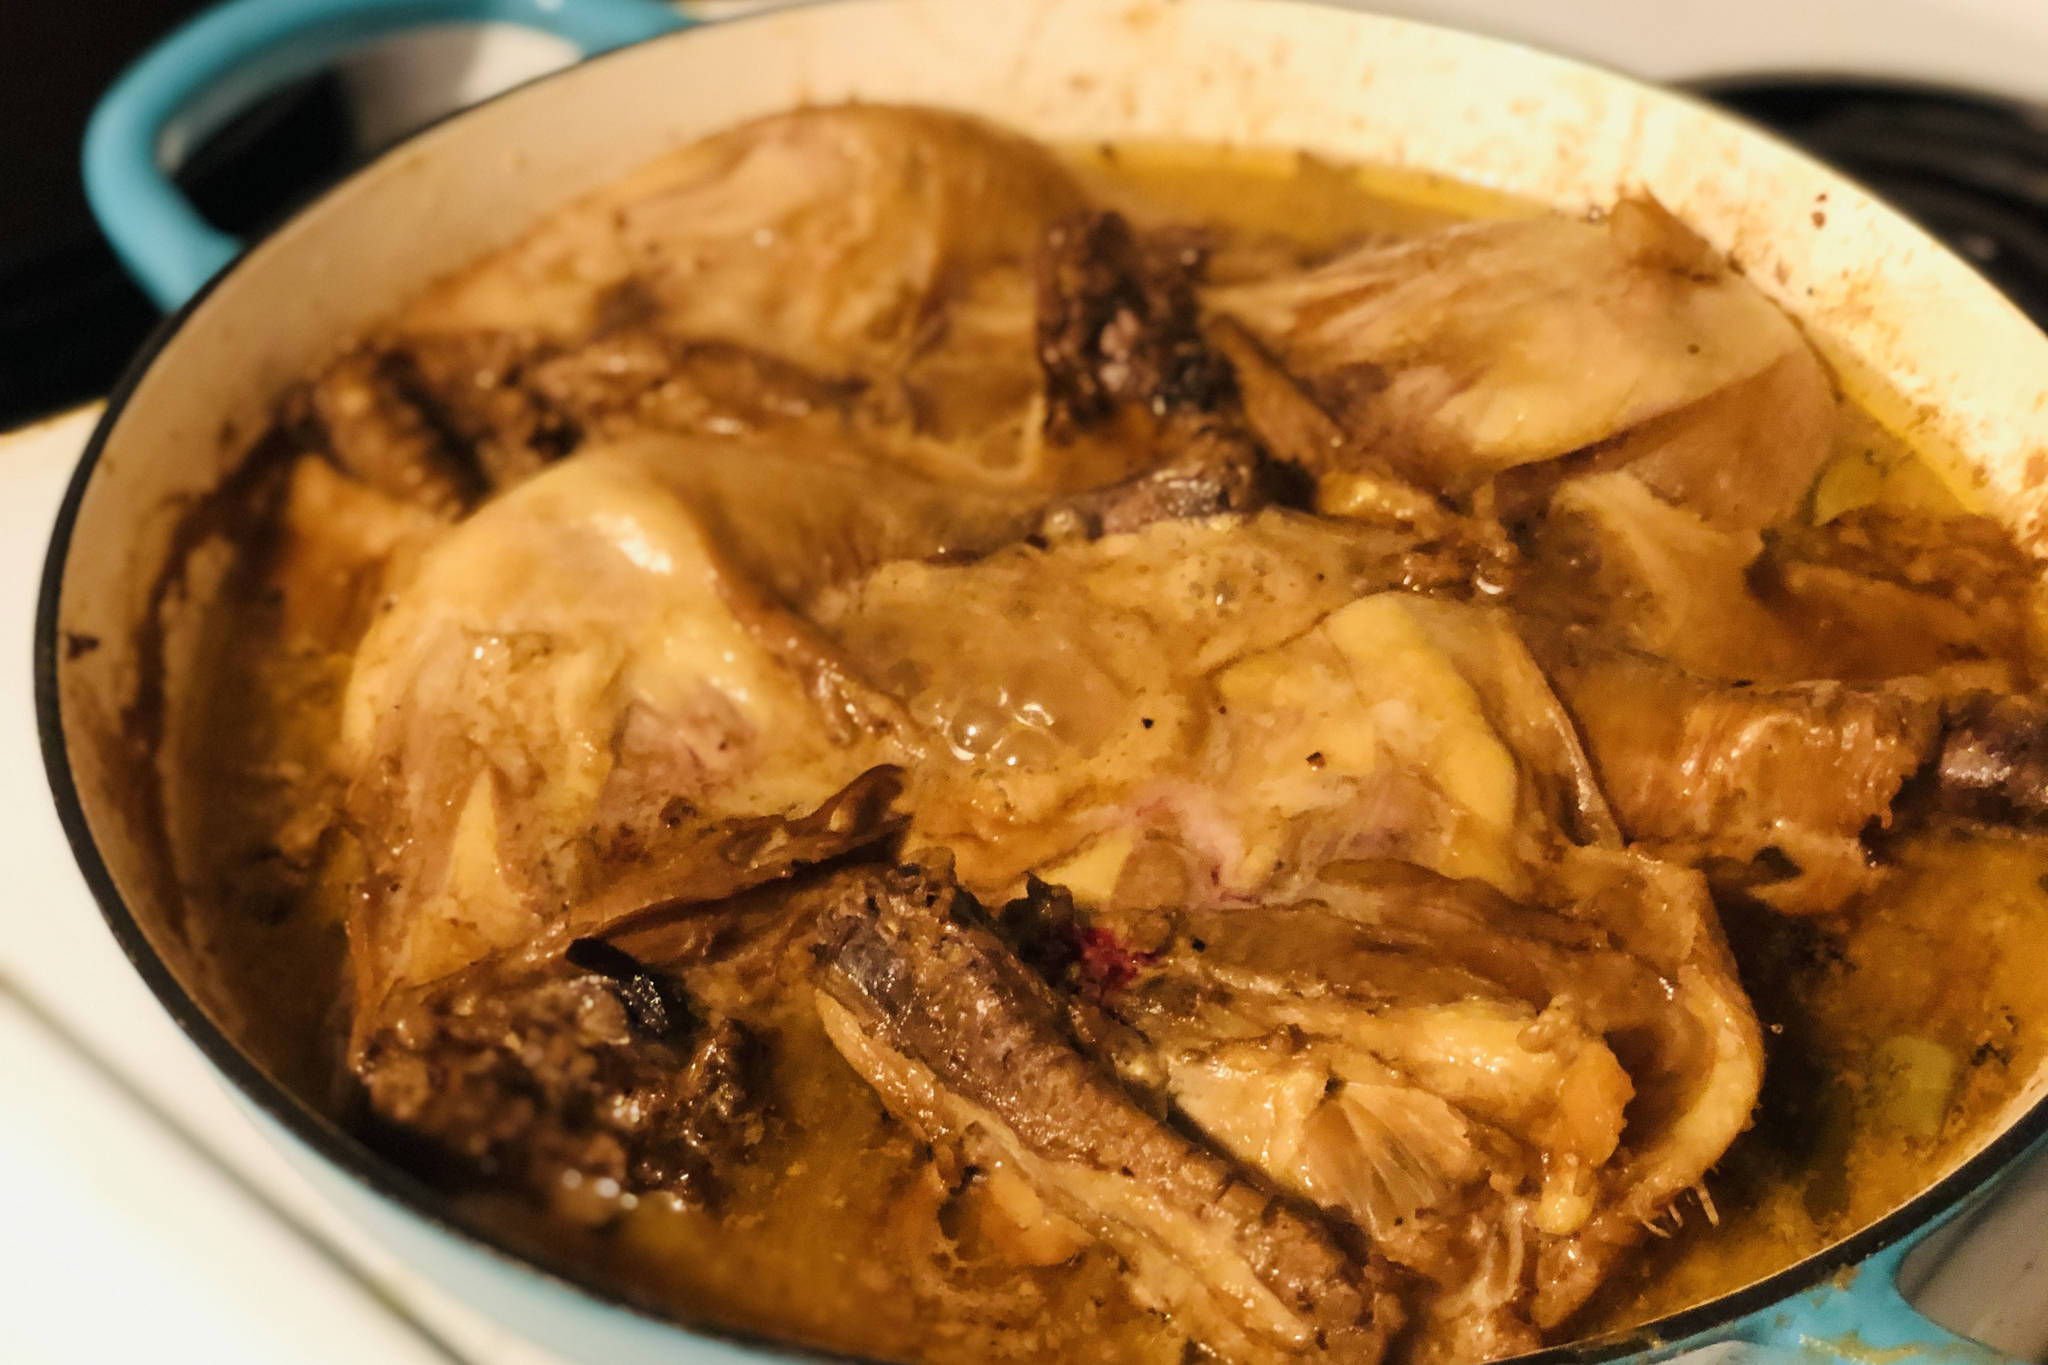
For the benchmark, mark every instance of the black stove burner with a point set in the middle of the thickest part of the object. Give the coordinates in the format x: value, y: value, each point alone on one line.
x: 70, y: 318
x: 1974, y: 170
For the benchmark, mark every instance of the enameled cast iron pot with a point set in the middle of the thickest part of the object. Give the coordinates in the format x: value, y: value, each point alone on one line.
x: 1907, y: 326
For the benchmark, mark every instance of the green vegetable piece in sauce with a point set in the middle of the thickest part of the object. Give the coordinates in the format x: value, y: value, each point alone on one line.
x: 1912, y: 1082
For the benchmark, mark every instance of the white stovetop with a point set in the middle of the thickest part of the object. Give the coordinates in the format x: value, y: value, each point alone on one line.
x: 142, y: 1216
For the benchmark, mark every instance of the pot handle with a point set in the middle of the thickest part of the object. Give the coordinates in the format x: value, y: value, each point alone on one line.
x: 216, y: 63
x: 1858, y: 1318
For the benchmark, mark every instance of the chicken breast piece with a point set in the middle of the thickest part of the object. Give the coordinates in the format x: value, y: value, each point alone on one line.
x: 1474, y: 349
x: 572, y: 673
x: 825, y: 235
x: 883, y: 248
x: 1220, y: 683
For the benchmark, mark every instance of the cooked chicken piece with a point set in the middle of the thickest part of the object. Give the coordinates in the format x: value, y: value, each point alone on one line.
x: 572, y: 668
x: 1219, y: 683
x: 1744, y: 456
x: 366, y: 412
x: 1699, y: 770
x: 884, y: 249
x: 827, y: 236
x: 565, y: 1082
x: 1657, y: 578
x: 1498, y: 1095
x: 1687, y: 1110
x: 612, y: 638
x: 968, y: 1047
x: 1453, y: 356
x: 1741, y: 459
x: 1700, y: 675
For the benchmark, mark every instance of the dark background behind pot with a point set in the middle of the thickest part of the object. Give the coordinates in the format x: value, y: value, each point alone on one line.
x: 69, y: 318
x: 66, y: 322
x: 1975, y: 171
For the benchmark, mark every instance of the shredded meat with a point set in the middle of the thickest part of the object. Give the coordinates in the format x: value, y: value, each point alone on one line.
x: 1117, y: 324
x: 1216, y: 473
x: 365, y: 412
x: 1993, y: 760
x: 557, y: 1080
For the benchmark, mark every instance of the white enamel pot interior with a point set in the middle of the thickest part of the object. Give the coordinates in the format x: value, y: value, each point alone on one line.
x: 1909, y: 328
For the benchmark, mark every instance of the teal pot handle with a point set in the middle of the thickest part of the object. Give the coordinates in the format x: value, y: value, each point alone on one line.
x: 221, y: 60
x: 1860, y: 1317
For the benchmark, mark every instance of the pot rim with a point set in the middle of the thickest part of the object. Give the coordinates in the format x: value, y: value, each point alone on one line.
x: 354, y: 1157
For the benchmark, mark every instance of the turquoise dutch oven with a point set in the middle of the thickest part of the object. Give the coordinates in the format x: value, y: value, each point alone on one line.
x: 1907, y: 326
